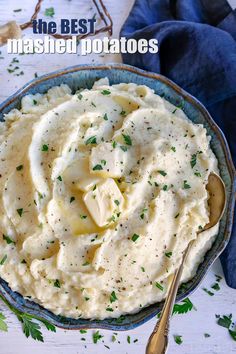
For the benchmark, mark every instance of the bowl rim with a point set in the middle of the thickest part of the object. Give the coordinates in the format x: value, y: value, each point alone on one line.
x: 5, y: 290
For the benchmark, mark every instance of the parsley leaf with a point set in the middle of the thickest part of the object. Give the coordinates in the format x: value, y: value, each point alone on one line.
x: 8, y: 239
x: 124, y: 148
x: 134, y: 237
x: 72, y: 199
x: 113, y: 297
x: 105, y: 92
x: 44, y: 147
x: 185, y: 306
x: 186, y: 185
x: 30, y: 328
x: 173, y: 148
x: 91, y: 140
x: 210, y: 293
x: 96, y: 337
x: 127, y: 139
x: 178, y: 339
x: 128, y: 339
x: 233, y: 334
x: 159, y: 286
x: 163, y: 173
x: 105, y: 117
x: 57, y: 283
x: 97, y: 168
x: 3, y: 260
x: 19, y: 168
x: 49, y: 12
x: 3, y: 325
x: 168, y: 254
x: 225, y: 321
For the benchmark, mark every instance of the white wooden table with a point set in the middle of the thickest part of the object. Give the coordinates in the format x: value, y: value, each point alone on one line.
x: 191, y: 326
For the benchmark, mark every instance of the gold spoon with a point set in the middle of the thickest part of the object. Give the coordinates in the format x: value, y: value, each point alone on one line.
x: 158, y: 340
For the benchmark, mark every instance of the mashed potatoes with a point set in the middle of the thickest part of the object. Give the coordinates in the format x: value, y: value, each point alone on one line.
x: 101, y: 192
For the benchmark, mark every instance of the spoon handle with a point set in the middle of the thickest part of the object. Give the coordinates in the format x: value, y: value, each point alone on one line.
x: 158, y: 340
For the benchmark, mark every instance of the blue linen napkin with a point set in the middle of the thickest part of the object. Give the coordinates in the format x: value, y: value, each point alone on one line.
x: 197, y: 50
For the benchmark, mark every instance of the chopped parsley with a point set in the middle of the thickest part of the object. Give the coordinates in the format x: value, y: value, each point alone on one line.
x: 83, y: 331
x: 198, y: 174
x: 79, y: 96
x: 3, y: 325
x: 127, y: 139
x: 178, y: 339
x: 128, y: 339
x: 123, y: 113
x: 3, y: 260
x: 85, y: 264
x: 173, y: 148
x: 185, y: 306
x: 8, y: 239
x: 109, y: 309
x: 134, y: 237
x: 225, y: 321
x: 105, y: 117
x: 117, y: 202
x: 168, y: 254
x: 106, y: 92
x: 193, y: 160
x: 20, y: 211
x: 143, y: 213
x: 165, y: 187
x: 124, y: 148
x: 216, y: 286
x: 83, y: 216
x: 143, y: 269
x: 97, y: 168
x: 159, y: 286
x: 186, y: 185
x: 44, y: 147
x: 96, y: 337
x: 49, y: 12
x: 59, y: 178
x: 72, y: 199
x: 113, y: 297
x: 91, y: 140
x: 114, y: 144
x: 57, y: 283
x: 19, y: 168
x: 103, y: 162
x: 210, y: 293
x: 207, y: 335
x: 163, y: 173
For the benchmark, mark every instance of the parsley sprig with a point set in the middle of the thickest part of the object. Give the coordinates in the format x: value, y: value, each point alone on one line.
x: 185, y: 306
x: 29, y: 326
x: 3, y: 325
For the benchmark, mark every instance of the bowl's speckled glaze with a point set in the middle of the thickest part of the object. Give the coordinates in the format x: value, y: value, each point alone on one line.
x: 83, y: 77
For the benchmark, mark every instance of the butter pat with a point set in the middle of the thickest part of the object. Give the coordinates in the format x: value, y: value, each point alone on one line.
x: 105, y: 202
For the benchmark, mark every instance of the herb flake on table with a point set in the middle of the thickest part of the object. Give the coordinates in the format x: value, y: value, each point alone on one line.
x: 3, y: 325
x: 49, y: 12
x: 178, y: 339
x: 96, y: 337
x: 128, y: 339
x: 185, y: 306
x: 210, y: 293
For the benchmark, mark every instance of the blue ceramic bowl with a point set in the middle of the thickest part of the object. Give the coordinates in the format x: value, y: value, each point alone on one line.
x: 83, y: 77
